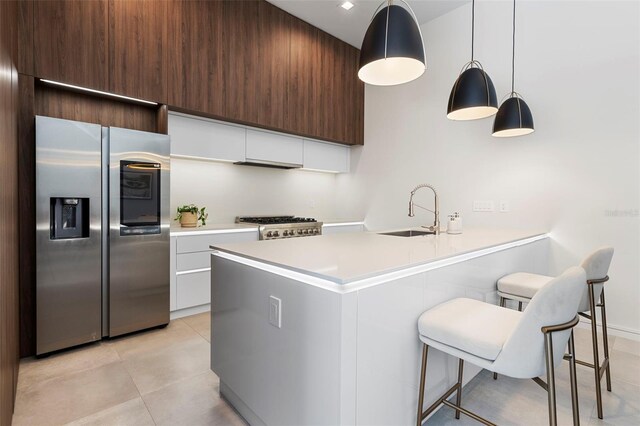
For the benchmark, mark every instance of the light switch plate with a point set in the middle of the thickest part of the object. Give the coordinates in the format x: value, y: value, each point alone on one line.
x: 483, y: 206
x: 275, y: 311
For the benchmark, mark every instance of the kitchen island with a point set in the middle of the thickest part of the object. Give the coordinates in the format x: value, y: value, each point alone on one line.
x: 323, y: 329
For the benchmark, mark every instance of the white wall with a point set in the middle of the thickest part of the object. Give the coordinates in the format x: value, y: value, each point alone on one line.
x: 577, y: 66
x: 229, y: 190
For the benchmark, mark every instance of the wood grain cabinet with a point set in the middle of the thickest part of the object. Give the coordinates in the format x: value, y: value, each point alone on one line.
x: 70, y: 42
x: 138, y: 52
x: 246, y: 61
x: 196, y: 64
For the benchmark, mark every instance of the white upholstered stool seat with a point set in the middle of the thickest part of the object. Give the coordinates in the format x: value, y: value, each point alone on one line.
x: 513, y: 343
x: 521, y: 286
x: 471, y: 326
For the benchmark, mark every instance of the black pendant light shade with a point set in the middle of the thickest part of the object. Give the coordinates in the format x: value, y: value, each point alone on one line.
x: 392, y: 50
x: 473, y: 95
x: 514, y: 118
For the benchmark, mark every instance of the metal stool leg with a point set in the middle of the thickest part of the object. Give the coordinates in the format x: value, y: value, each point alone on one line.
x: 596, y: 356
x: 574, y: 382
x: 423, y: 375
x: 605, y: 339
x: 459, y: 392
x: 502, y: 303
x: 551, y: 380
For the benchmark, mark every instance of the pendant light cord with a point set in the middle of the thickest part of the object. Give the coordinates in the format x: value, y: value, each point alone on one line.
x: 473, y: 25
x: 513, y: 50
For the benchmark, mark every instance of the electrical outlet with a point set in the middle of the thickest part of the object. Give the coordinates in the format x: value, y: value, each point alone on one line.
x: 483, y: 206
x: 504, y: 206
x: 275, y: 311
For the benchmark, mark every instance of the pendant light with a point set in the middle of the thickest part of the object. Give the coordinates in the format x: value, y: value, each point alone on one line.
x: 473, y: 95
x: 514, y: 117
x: 392, y: 50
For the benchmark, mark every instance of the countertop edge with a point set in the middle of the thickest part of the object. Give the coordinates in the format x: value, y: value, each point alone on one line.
x: 347, y: 286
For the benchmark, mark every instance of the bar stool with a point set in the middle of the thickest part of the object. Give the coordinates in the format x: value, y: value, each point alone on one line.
x: 522, y: 286
x: 516, y: 344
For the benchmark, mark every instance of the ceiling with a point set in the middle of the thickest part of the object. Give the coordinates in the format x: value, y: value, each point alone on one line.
x: 350, y: 25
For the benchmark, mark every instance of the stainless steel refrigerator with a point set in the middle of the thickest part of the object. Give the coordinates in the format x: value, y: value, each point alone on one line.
x: 102, y: 231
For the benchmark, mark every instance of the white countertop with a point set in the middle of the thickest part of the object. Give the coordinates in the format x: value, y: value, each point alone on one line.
x: 226, y: 228
x: 218, y: 228
x: 345, y: 258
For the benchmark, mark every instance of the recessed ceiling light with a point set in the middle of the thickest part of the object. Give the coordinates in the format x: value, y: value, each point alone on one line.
x: 347, y: 5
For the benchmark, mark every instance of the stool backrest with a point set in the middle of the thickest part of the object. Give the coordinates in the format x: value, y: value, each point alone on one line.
x: 556, y: 303
x: 596, y: 265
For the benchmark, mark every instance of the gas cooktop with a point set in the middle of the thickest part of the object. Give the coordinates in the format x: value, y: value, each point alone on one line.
x: 270, y: 220
x: 276, y: 227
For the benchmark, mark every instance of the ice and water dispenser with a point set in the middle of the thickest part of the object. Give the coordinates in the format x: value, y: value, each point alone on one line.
x: 69, y: 218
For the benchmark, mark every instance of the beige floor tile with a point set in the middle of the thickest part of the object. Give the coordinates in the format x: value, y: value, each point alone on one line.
x: 626, y: 345
x: 133, y: 413
x: 153, y: 371
x: 175, y: 334
x: 34, y: 370
x: 193, y: 401
x: 625, y: 367
x: 621, y: 406
x: 508, y: 401
x: 73, y: 396
x: 201, y: 323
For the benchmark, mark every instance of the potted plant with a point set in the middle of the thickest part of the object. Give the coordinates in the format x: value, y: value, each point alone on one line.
x: 190, y: 215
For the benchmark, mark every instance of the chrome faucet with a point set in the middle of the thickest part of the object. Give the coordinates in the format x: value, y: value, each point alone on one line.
x: 435, y: 228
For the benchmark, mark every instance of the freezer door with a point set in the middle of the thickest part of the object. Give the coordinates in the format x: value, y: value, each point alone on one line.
x: 138, y: 230
x: 68, y: 248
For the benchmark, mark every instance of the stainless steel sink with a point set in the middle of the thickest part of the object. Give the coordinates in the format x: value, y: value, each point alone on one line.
x: 408, y: 233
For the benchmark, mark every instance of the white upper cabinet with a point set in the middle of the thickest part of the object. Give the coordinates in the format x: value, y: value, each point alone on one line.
x: 195, y: 137
x: 202, y: 138
x: 326, y: 156
x: 273, y: 148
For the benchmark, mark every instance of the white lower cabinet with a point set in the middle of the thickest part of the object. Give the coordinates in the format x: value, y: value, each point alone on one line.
x: 193, y: 289
x: 191, y: 266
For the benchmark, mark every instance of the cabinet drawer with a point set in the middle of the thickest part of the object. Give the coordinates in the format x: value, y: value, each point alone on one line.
x: 193, y: 289
x: 190, y: 244
x: 197, y: 260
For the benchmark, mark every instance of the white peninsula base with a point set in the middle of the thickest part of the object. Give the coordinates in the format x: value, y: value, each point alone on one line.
x: 345, y: 353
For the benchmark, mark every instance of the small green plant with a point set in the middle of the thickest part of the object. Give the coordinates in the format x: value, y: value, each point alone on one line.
x: 200, y: 213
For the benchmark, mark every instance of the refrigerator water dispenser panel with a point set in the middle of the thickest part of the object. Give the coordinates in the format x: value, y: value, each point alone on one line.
x: 69, y: 218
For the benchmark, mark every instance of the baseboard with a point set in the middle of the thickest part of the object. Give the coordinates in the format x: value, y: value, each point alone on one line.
x: 180, y: 313
x: 614, y: 330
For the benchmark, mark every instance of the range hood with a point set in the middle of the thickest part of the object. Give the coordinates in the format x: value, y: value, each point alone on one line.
x: 268, y: 164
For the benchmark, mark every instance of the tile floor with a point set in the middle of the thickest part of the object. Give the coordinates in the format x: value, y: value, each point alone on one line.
x: 162, y: 377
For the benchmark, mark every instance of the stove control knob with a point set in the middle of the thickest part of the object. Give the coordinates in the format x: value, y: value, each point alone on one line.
x: 276, y: 234
x: 299, y: 231
x: 269, y: 234
x: 285, y: 233
x: 315, y: 231
x: 306, y: 231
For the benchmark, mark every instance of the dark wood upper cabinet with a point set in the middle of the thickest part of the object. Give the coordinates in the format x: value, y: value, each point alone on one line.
x: 196, y: 62
x: 70, y: 42
x: 245, y: 61
x: 138, y: 48
x: 304, y: 89
x: 256, y: 54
